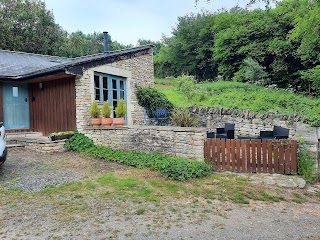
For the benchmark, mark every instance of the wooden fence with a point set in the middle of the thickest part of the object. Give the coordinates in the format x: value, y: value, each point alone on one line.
x: 268, y: 156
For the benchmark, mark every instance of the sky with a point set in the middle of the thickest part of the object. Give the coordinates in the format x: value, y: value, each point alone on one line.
x: 128, y: 20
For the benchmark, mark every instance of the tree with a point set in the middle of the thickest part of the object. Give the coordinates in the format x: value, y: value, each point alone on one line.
x: 188, y: 50
x: 78, y: 44
x: 254, y: 72
x: 156, y: 45
x: 26, y: 25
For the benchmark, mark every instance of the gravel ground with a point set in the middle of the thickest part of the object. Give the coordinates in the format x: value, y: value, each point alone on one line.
x: 75, y: 217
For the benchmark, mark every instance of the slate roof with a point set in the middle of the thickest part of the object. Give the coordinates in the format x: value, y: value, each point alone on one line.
x: 21, y: 66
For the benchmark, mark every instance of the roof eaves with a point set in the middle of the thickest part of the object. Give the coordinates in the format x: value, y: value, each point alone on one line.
x: 101, y: 56
x: 39, y: 73
x: 75, y: 62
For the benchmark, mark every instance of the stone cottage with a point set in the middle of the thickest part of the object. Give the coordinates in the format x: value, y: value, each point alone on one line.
x: 51, y: 94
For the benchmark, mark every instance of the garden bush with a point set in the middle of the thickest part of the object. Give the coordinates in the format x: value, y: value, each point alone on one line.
x: 79, y: 142
x: 182, y: 117
x: 151, y: 99
x: 306, y: 163
x: 171, y: 167
x: 187, y: 86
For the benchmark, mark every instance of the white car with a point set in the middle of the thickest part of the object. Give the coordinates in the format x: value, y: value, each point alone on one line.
x: 3, y: 147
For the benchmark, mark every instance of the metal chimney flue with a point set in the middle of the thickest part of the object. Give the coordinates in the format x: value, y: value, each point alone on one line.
x: 106, y: 43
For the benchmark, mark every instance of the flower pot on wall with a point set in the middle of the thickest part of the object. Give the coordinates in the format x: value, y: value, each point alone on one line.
x: 118, y: 121
x: 106, y: 121
x: 96, y: 121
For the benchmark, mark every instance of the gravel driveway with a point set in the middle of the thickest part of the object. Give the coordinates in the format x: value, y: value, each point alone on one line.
x: 29, y: 216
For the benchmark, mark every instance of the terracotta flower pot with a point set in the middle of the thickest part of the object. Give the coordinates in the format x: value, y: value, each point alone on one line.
x: 96, y: 121
x: 118, y: 121
x: 106, y: 121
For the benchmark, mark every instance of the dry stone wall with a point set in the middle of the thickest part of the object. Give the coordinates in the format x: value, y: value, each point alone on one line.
x: 250, y: 124
x: 174, y: 141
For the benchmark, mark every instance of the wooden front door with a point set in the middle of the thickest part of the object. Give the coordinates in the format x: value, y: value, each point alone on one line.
x: 52, y: 105
x: 15, y: 105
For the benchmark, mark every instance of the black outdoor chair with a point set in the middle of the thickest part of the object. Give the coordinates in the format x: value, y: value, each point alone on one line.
x: 226, y: 132
x: 211, y: 134
x: 277, y: 133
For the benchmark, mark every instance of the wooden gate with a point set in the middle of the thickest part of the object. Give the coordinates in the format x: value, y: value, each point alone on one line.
x: 256, y: 156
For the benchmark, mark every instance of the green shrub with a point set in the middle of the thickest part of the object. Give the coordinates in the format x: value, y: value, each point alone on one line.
x: 151, y: 99
x: 187, y: 86
x: 121, y: 109
x: 313, y: 76
x: 62, y: 133
x: 171, y: 167
x: 94, y: 110
x: 306, y: 163
x: 79, y: 142
x: 240, y: 75
x: 182, y: 117
x: 106, y: 110
x: 254, y: 72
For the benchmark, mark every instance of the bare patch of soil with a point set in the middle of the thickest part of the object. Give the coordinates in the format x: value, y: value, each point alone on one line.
x: 163, y: 86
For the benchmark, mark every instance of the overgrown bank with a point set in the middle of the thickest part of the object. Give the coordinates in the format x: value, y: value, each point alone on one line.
x: 244, y: 96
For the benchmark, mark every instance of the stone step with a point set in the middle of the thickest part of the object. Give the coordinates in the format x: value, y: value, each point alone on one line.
x: 15, y: 145
x: 24, y: 134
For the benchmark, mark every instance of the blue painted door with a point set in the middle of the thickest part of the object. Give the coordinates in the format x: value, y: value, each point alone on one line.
x: 15, y: 105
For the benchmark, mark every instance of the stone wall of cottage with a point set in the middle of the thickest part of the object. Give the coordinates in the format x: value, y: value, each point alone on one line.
x: 138, y: 71
x: 174, y: 141
x: 250, y: 124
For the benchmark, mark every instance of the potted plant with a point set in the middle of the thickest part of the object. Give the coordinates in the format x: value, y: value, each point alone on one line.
x: 95, y: 114
x: 120, y: 113
x: 106, y: 113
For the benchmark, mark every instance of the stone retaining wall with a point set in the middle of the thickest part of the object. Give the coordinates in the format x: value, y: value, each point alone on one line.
x: 46, y: 147
x: 250, y: 124
x: 174, y: 141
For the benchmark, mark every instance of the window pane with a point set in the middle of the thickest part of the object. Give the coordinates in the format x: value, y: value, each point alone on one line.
x: 96, y: 81
x: 105, y: 95
x: 105, y: 82
x: 114, y: 84
x: 115, y: 104
x: 97, y: 94
x: 114, y: 94
x: 121, y: 85
x: 122, y: 94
